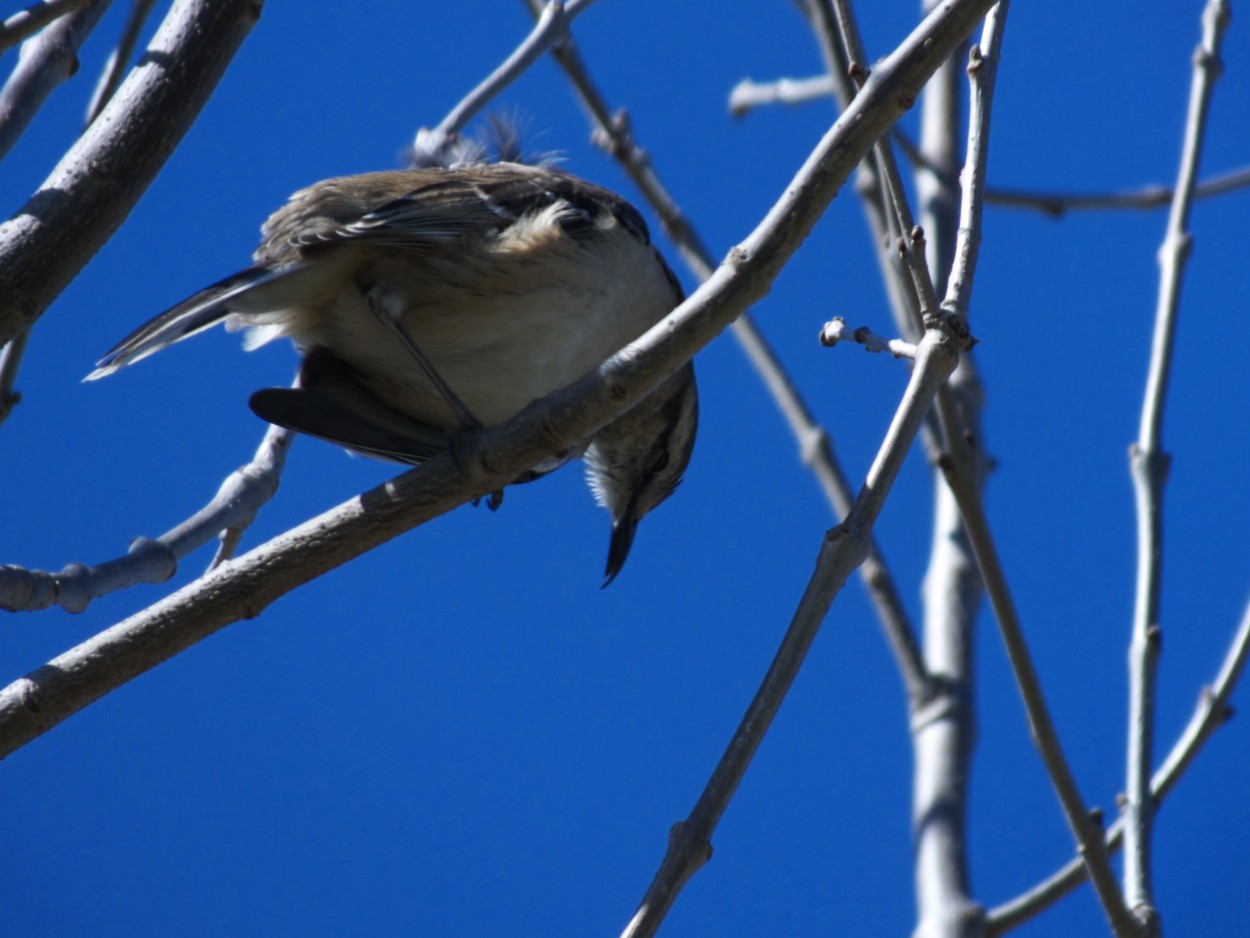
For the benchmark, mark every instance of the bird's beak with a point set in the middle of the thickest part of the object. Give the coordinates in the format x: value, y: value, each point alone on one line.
x: 622, y: 538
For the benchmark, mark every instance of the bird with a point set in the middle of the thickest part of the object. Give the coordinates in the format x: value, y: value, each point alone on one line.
x: 429, y: 302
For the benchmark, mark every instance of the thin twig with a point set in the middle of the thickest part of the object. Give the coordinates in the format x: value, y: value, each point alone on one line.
x: 1147, y: 197
x: 1210, y: 714
x: 1087, y: 831
x: 551, y: 29
x: 748, y: 95
x: 910, y: 241
x: 21, y: 26
x: 902, y: 299
x: 119, y: 58
x: 878, y: 212
x: 1149, y: 467
x: 982, y: 72
x: 836, y: 330
x: 1057, y: 204
x: 46, y: 60
x: 236, y: 504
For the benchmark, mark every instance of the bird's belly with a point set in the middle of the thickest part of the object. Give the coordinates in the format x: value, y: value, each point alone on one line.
x: 497, y: 351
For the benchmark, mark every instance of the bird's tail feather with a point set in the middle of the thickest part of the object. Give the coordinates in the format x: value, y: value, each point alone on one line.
x: 203, y: 310
x: 332, y: 403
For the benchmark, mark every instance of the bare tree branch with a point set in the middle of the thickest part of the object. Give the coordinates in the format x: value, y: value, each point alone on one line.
x: 868, y: 184
x: 917, y: 282
x: 836, y: 330
x: 944, y: 735
x: 78, y: 208
x: 1085, y: 824
x: 748, y: 95
x: 551, y: 29
x: 99, y: 180
x: 1057, y: 204
x: 1149, y: 466
x: 44, y: 62
x: 1210, y: 714
x: 946, y: 720
x: 235, y: 506
x: 243, y: 494
x: 1086, y: 829
x: 119, y: 58
x: 20, y: 26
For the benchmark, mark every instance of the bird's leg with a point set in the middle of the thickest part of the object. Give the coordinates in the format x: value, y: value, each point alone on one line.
x: 381, y: 302
x: 463, y: 415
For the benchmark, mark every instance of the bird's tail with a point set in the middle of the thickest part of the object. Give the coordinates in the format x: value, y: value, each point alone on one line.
x: 203, y: 310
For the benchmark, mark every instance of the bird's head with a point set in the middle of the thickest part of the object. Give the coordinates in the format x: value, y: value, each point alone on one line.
x: 637, y: 461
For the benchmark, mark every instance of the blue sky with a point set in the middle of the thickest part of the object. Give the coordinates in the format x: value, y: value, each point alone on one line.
x: 461, y: 733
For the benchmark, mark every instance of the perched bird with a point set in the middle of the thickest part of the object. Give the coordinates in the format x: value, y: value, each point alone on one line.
x: 428, y: 301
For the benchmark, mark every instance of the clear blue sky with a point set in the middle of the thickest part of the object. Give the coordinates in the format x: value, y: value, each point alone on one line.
x: 461, y: 734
